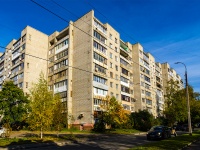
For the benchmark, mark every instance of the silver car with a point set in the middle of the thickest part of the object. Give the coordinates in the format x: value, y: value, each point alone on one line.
x: 3, y: 132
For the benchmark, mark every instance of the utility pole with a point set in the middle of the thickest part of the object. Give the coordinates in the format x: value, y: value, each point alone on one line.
x: 187, y: 97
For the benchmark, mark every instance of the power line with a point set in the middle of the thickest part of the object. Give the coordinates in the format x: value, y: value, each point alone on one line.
x: 74, y: 26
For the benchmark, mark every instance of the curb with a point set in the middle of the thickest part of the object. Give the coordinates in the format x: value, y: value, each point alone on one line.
x: 187, y: 145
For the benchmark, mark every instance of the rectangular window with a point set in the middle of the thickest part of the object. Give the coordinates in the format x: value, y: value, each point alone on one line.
x: 117, y: 86
x: 116, y: 40
x: 110, y: 55
x: 100, y: 58
x: 111, y: 74
x: 110, y: 65
x: 111, y: 84
x: 99, y: 47
x: 99, y: 79
x: 100, y: 37
x: 116, y: 67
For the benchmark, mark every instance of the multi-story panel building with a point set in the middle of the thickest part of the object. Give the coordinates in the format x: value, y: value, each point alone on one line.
x: 148, y: 82
x: 24, y: 59
x: 86, y: 64
x: 126, y: 76
x: 159, y: 88
x: 170, y: 74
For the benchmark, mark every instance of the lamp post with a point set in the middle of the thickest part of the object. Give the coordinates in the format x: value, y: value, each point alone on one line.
x: 187, y: 97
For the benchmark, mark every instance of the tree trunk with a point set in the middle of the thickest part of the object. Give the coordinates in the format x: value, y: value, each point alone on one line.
x: 41, y: 134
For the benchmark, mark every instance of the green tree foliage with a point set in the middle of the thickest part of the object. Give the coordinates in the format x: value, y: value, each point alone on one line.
x: 41, y: 106
x: 59, y: 114
x: 13, y: 103
x: 142, y: 120
x: 194, y: 105
x: 115, y: 115
x: 175, y: 103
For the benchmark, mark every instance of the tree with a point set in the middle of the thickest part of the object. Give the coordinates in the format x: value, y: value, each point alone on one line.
x: 13, y: 103
x: 175, y: 103
x: 41, y: 106
x: 115, y: 115
x: 142, y: 120
x: 59, y: 114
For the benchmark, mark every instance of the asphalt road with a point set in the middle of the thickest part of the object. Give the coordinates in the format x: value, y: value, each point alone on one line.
x: 91, y: 142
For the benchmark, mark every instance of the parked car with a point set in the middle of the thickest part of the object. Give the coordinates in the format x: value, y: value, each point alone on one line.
x: 185, y: 127
x: 2, y: 132
x: 159, y: 132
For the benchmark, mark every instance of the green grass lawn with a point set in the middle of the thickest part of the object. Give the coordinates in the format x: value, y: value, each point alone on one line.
x: 171, y: 143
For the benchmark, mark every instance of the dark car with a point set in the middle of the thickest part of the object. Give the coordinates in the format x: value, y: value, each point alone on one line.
x: 158, y: 132
x: 185, y: 127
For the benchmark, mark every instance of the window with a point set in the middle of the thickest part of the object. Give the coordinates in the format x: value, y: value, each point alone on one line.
x: 98, y: 91
x: 99, y: 37
x: 124, y: 79
x: 111, y: 94
x: 26, y: 84
x: 117, y: 96
x: 117, y: 86
x: 60, y: 84
x: 125, y: 98
x: 115, y: 49
x: 125, y: 89
x: 124, y: 71
x: 100, y: 69
x: 24, y: 38
x: 61, y: 64
x: 111, y: 36
x: 116, y: 76
x: 111, y: 84
x: 100, y: 58
x: 149, y: 102
x: 110, y: 55
x: 61, y: 55
x: 116, y: 67
x: 110, y: 65
x: 23, y: 46
x: 122, y: 61
x: 99, y: 79
x: 27, y: 65
x: 111, y: 74
x: 116, y: 58
x: 62, y: 44
x: 51, y: 51
x: 110, y: 45
x: 99, y: 47
x: 116, y: 40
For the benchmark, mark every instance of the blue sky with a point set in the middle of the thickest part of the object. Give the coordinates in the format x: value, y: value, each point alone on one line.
x: 168, y: 29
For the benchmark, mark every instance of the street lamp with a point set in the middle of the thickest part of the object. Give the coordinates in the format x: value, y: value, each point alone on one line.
x: 187, y: 96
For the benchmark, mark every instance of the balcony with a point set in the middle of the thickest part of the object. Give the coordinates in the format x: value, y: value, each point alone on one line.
x: 160, y: 101
x: 126, y: 94
x: 15, y: 55
x: 61, y: 49
x: 125, y: 84
x: 100, y: 85
x: 60, y: 89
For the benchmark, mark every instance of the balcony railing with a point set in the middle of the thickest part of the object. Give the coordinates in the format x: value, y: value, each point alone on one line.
x: 61, y: 49
x: 60, y: 89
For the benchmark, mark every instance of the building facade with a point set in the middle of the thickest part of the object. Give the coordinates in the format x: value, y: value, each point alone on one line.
x: 24, y: 59
x: 86, y: 64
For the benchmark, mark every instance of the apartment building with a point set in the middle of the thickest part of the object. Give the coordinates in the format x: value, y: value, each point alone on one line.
x: 87, y: 64
x: 170, y: 74
x: 148, y: 81
x: 20, y: 62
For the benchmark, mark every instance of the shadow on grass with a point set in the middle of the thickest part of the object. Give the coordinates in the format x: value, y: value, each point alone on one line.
x: 50, y: 141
